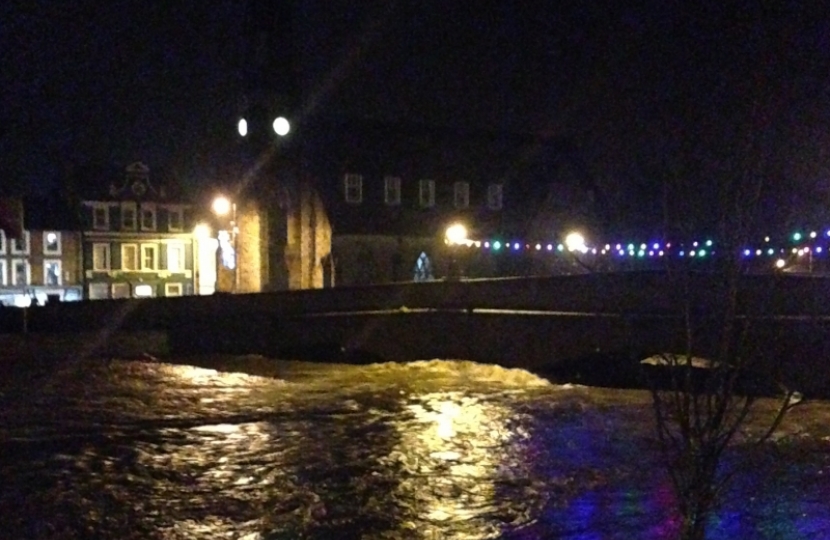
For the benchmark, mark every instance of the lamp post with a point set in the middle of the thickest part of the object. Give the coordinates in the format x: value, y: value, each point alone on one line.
x: 456, y: 234
x: 222, y: 206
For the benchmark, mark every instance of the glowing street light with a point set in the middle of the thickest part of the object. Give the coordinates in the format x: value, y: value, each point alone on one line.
x: 202, y: 231
x: 242, y: 127
x: 221, y: 206
x: 575, y: 242
x: 456, y: 234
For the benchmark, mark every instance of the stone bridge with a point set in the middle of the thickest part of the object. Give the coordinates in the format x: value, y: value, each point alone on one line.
x: 594, y: 326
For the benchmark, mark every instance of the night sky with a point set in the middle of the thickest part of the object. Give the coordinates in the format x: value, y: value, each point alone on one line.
x: 650, y: 91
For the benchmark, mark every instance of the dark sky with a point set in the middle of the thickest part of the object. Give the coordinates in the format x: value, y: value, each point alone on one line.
x: 648, y: 89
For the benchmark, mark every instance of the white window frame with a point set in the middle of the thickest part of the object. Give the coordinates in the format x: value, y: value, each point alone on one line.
x: 353, y: 188
x: 46, y: 263
x: 3, y: 272
x: 14, y: 244
x: 28, y: 269
x: 132, y: 207
x: 107, y: 256
x: 495, y: 196
x: 426, y: 193
x: 461, y: 194
x: 58, y: 241
x: 3, y: 242
x: 175, y: 211
x: 392, y: 190
x: 101, y: 287
x: 155, y: 249
x: 176, y: 246
x: 100, y: 225
x: 120, y: 285
x: 151, y: 208
x: 170, y: 286
x: 134, y: 248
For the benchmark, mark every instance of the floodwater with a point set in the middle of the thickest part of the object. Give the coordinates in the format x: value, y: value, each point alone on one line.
x: 252, y: 448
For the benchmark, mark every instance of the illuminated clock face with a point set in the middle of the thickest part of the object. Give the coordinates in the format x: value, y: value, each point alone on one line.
x: 139, y: 188
x: 281, y: 126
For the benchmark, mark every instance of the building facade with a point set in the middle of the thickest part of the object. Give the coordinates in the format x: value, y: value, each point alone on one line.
x: 138, y: 241
x: 41, y: 262
x: 392, y: 191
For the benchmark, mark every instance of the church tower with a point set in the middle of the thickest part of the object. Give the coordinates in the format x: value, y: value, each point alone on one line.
x: 287, y: 220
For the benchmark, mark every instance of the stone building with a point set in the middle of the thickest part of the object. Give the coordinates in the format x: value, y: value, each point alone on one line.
x: 281, y: 244
x: 41, y: 261
x: 391, y: 192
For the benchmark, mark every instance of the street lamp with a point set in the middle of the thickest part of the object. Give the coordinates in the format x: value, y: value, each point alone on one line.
x: 222, y: 206
x: 575, y: 242
x: 456, y: 234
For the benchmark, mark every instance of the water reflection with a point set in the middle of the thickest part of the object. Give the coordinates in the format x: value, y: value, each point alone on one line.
x: 431, y: 450
x: 458, y: 456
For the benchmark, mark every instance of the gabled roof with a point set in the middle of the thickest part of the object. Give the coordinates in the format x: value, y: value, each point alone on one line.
x: 135, y: 181
x: 527, y: 166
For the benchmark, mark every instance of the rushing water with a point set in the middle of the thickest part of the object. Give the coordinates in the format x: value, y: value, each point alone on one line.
x: 427, y: 450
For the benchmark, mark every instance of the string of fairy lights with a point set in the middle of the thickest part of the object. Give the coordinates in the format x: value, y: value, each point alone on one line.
x: 799, y: 245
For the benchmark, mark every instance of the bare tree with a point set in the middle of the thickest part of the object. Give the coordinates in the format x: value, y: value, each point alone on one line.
x: 704, y: 404
x: 704, y: 400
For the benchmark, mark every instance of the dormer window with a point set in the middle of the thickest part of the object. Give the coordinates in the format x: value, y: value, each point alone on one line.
x: 426, y: 193
x: 100, y: 217
x: 392, y: 190
x: 354, y: 188
x: 148, y: 217
x: 128, y: 216
x: 52, y: 243
x: 461, y: 195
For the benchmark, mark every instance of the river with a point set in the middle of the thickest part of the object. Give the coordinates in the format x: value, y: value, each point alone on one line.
x: 253, y: 448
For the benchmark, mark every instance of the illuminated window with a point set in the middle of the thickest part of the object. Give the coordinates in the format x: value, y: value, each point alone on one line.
x: 494, y: 196
x: 20, y: 246
x: 392, y: 190
x: 143, y: 291
x: 461, y: 198
x: 148, y: 217
x: 426, y: 193
x: 120, y: 290
x: 100, y: 257
x: 175, y: 219
x: 3, y: 278
x: 52, y: 273
x: 52, y: 243
x: 100, y: 217
x: 175, y: 257
x: 98, y: 291
x: 354, y: 188
x: 173, y: 289
x: 129, y: 257
x: 128, y: 212
x: 2, y: 242
x: 21, y: 272
x: 149, y: 257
